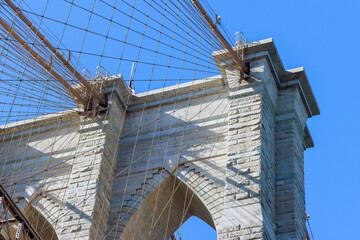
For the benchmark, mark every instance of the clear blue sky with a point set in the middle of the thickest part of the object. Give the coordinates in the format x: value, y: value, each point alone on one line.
x: 323, y: 37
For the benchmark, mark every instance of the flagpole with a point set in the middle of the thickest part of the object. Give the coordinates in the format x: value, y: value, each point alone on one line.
x: 131, y: 81
x: 131, y: 73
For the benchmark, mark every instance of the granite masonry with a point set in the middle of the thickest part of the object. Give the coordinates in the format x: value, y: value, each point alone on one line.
x: 227, y: 151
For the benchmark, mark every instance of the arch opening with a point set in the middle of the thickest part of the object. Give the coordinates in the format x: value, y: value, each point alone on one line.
x: 41, y: 225
x: 195, y: 228
x: 164, y: 210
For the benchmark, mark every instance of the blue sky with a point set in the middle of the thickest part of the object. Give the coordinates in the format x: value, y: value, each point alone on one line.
x: 323, y: 37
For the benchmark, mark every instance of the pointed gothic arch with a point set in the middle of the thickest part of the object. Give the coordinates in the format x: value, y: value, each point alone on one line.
x: 164, y: 210
x: 40, y: 223
x: 37, y: 220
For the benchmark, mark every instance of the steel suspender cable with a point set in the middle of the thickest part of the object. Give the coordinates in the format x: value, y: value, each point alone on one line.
x: 90, y: 89
x: 180, y: 41
x: 241, y: 65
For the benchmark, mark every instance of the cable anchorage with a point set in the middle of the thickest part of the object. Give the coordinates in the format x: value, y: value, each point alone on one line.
x: 87, y: 88
x: 240, y: 63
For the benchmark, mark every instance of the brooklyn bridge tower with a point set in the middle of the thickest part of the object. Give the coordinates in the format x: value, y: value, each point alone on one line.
x: 214, y: 131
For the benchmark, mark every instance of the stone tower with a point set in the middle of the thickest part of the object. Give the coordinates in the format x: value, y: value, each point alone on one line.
x: 228, y: 152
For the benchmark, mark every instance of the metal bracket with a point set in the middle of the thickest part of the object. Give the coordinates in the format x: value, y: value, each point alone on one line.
x: 19, y: 231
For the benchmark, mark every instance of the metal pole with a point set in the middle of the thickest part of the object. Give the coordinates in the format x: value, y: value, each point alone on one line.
x: 92, y: 91
x: 242, y: 66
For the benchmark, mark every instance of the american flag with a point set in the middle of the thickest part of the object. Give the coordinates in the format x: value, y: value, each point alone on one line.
x: 131, y: 86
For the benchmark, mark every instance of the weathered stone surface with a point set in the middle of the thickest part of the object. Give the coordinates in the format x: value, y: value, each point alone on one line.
x: 228, y: 152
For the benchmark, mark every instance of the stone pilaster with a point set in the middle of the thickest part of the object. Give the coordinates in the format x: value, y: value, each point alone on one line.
x: 290, y: 145
x: 87, y: 206
x: 250, y: 172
